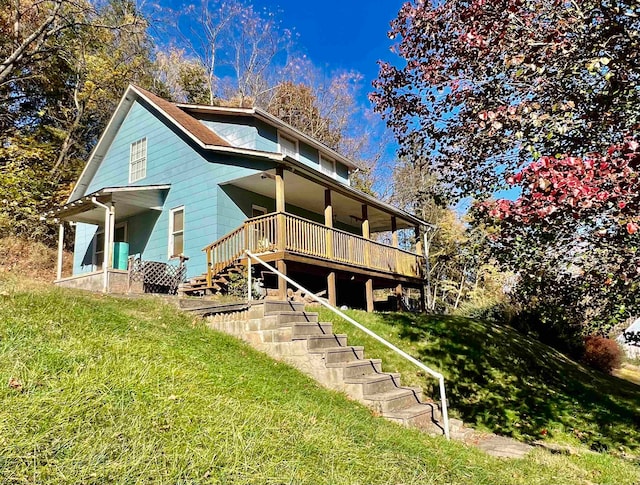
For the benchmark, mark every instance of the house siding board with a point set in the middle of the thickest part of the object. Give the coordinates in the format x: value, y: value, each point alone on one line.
x: 267, y: 139
x: 194, y: 178
x: 241, y: 133
x: 83, y: 248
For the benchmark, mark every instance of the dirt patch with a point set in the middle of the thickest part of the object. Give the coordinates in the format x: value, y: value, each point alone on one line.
x: 31, y: 260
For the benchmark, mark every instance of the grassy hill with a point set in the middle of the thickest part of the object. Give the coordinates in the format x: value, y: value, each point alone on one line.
x: 501, y: 381
x: 97, y: 389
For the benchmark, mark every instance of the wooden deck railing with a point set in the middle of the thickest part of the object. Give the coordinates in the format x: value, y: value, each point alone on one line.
x: 287, y: 232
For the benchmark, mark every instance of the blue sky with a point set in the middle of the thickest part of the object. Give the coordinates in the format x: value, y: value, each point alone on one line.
x: 347, y: 34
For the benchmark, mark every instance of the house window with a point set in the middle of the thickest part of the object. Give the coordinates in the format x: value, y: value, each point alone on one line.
x: 138, y: 160
x: 257, y: 211
x: 98, y: 250
x: 327, y: 166
x: 288, y: 147
x: 176, y: 232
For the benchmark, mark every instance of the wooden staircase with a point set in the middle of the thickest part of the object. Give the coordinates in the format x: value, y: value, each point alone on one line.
x: 287, y: 332
x: 198, y: 286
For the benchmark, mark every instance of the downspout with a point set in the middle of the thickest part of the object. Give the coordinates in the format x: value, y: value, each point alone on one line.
x: 107, y: 238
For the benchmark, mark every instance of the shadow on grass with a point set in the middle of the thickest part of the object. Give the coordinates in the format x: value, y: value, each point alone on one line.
x: 516, y: 386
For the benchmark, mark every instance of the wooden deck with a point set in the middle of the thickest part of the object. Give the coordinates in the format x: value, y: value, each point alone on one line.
x: 283, y: 236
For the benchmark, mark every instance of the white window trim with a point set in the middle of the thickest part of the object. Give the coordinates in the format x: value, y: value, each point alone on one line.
x: 96, y: 250
x: 144, y: 174
x: 333, y: 165
x: 291, y: 139
x: 171, y: 254
x: 126, y: 230
x: 258, y: 208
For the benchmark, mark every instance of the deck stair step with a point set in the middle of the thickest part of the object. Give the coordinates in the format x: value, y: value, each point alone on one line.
x: 197, y: 285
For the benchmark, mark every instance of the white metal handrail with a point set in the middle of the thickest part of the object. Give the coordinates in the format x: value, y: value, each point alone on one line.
x: 437, y: 375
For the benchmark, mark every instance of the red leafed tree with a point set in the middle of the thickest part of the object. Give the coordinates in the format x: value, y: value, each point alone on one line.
x: 483, y: 87
x: 573, y: 235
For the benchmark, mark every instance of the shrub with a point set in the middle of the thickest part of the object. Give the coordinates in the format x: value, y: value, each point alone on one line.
x: 602, y: 353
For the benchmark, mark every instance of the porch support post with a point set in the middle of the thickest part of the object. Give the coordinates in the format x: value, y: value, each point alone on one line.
x: 107, y: 238
x: 394, y: 232
x: 365, y: 222
x: 394, y: 242
x: 60, y: 248
x: 369, y: 294
x: 279, y: 189
x: 366, y: 234
x: 282, y: 283
x: 328, y: 209
x: 282, y: 231
x: 399, y: 297
x: 112, y: 232
x: 331, y: 288
x: 328, y: 221
x: 418, y: 241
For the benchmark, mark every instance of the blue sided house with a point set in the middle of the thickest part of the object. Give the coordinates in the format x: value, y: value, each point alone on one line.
x: 173, y: 194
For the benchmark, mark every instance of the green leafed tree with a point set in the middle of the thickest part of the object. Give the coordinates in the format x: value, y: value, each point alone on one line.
x: 64, y: 67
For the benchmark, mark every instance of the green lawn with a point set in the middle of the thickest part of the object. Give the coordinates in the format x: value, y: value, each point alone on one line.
x: 501, y: 381
x: 101, y: 390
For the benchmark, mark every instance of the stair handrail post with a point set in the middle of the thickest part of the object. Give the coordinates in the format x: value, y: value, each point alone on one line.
x: 402, y: 353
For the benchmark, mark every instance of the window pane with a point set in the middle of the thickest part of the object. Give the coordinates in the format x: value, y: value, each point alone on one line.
x: 326, y: 166
x: 178, y: 244
x: 178, y: 221
x: 138, y: 160
x: 119, y: 234
x: 288, y: 147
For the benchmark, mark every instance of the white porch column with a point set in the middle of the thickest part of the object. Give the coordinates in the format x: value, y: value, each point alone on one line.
x: 112, y: 232
x: 60, y: 248
x: 107, y: 239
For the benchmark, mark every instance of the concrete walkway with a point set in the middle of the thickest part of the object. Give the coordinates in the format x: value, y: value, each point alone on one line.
x: 495, y: 445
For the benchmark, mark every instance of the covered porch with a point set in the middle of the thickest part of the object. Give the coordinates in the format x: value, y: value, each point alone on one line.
x: 109, y: 209
x: 324, y: 228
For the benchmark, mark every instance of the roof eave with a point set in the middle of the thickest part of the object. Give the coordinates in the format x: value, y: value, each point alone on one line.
x: 273, y: 121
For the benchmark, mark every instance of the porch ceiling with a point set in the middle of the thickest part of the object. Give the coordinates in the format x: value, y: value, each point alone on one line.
x: 128, y: 202
x: 308, y: 194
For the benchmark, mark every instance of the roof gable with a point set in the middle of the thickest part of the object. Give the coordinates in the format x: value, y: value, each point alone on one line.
x: 169, y: 112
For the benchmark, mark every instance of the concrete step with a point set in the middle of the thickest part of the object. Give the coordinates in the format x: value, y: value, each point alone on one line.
x: 319, y: 342
x: 394, y: 400
x: 358, y: 368
x: 272, y: 306
x: 338, y: 356
x: 306, y: 329
x: 375, y: 383
x: 296, y: 316
x: 424, y: 416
